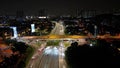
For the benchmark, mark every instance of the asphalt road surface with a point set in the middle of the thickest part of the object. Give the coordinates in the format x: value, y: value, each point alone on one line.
x: 58, y: 30
x: 50, y: 57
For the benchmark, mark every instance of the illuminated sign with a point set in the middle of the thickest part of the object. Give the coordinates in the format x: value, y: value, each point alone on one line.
x: 14, y: 31
x: 32, y: 28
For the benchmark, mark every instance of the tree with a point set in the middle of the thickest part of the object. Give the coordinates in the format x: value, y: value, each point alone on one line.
x: 101, y: 55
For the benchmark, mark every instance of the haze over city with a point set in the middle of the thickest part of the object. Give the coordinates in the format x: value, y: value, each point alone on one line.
x: 55, y: 6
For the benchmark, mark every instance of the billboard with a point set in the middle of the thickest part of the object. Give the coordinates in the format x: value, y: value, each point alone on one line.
x: 32, y: 28
x: 14, y: 32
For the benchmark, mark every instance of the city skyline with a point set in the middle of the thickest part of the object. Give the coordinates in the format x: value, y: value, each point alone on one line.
x: 55, y: 6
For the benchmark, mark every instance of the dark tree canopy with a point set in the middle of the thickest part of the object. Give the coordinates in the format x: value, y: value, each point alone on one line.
x: 102, y: 55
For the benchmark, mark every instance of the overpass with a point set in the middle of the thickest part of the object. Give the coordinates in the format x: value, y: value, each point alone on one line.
x: 50, y: 37
x: 54, y: 37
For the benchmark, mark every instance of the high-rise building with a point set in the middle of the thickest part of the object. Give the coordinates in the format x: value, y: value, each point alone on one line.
x: 42, y: 12
x: 85, y: 13
x: 20, y: 13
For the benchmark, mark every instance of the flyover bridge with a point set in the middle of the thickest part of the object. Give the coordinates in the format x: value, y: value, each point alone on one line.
x: 50, y: 37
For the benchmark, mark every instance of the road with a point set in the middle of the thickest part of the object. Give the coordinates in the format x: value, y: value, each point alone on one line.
x: 50, y: 57
x: 58, y: 30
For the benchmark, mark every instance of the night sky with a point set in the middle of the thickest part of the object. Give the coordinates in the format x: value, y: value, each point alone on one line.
x: 55, y: 6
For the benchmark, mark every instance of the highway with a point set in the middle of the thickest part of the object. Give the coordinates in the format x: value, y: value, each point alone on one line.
x: 58, y: 29
x: 47, y: 59
x: 50, y: 57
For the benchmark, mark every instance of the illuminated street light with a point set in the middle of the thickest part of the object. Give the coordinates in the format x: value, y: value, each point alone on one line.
x: 91, y: 44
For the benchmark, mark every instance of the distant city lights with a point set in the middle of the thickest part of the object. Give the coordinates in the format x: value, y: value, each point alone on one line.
x: 42, y: 17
